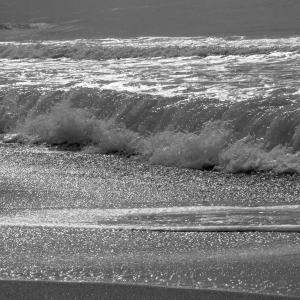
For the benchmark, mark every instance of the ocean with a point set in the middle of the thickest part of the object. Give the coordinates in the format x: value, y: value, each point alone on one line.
x: 155, y: 125
x: 227, y: 103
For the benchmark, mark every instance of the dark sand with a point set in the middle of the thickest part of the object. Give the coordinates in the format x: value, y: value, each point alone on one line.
x: 39, y: 290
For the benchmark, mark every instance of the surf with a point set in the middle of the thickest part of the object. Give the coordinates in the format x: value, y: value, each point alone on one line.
x: 235, y: 108
x: 147, y: 47
x: 146, y: 129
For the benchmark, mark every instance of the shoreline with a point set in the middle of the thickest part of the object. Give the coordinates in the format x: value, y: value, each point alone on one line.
x: 23, y: 289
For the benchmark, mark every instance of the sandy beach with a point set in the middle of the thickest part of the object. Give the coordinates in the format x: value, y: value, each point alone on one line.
x: 56, y: 186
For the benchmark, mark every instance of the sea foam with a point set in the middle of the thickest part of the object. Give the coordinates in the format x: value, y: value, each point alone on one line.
x: 206, y: 103
x: 215, y: 146
x: 100, y: 49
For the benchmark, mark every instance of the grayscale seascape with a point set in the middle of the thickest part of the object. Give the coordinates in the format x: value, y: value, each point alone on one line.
x: 151, y: 143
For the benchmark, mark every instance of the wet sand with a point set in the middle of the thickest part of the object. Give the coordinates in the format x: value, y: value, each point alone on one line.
x: 38, y: 178
x: 249, y: 262
x: 34, y: 179
x: 105, y: 291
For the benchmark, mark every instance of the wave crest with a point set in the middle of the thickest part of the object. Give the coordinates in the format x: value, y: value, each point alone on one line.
x: 247, y: 155
x: 23, y: 26
x: 100, y: 50
x: 213, y: 147
x: 189, y: 150
x: 71, y: 127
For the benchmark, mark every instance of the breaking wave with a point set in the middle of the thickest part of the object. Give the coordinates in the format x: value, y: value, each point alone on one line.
x: 260, y: 135
x: 151, y: 47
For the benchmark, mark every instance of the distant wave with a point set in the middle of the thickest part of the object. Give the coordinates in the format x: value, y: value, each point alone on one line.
x: 23, y: 26
x: 241, y: 137
x: 100, y: 49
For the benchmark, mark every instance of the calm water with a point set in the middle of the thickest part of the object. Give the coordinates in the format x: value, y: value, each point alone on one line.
x: 93, y: 18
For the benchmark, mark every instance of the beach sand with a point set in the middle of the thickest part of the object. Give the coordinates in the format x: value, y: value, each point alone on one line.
x: 37, y: 180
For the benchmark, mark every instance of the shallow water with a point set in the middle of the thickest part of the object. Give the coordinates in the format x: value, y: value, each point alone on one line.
x: 190, y: 218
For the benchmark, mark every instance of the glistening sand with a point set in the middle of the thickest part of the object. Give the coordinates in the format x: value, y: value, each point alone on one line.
x: 36, y: 178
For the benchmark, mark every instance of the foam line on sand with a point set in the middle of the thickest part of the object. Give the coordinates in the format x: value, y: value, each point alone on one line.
x: 197, y: 209
x: 220, y: 228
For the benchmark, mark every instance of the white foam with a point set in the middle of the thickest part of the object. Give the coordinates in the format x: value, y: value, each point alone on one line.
x: 219, y: 217
x: 213, y: 76
x: 233, y: 228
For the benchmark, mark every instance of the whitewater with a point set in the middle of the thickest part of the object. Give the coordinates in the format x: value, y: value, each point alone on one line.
x: 223, y: 103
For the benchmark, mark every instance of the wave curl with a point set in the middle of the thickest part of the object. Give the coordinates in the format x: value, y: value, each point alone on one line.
x: 113, y: 125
